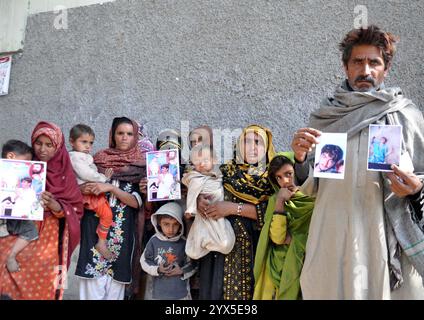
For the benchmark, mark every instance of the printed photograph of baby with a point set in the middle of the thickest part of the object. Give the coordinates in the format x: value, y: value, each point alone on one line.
x: 384, y: 147
x: 21, y: 185
x: 163, y: 173
x: 330, y: 156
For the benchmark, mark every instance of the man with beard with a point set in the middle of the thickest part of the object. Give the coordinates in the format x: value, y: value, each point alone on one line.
x: 366, y: 237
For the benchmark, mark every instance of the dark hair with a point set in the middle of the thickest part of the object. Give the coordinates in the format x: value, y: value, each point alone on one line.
x: 16, y: 146
x: 159, y: 217
x: 372, y: 35
x: 334, y: 151
x: 32, y: 171
x: 27, y: 179
x: 80, y: 129
x: 115, y: 124
x: 276, y: 163
x: 165, y: 165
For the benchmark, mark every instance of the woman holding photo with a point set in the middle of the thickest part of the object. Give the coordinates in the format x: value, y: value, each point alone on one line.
x: 100, y: 278
x: 44, y: 261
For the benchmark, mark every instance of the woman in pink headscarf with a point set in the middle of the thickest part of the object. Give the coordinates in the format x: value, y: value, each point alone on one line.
x: 43, y: 263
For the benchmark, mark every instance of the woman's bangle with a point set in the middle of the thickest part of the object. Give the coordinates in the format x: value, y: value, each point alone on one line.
x: 283, y: 213
x: 239, y: 208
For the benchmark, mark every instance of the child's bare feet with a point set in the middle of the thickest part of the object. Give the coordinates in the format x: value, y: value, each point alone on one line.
x: 101, y: 246
x: 12, y: 265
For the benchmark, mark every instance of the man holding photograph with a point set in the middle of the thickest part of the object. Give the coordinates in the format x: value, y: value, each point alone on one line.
x: 366, y: 230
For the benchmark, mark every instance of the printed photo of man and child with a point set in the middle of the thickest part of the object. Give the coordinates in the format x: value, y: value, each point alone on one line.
x: 162, y: 173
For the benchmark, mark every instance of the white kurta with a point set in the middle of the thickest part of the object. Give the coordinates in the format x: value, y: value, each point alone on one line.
x: 24, y: 202
x: 165, y: 185
x: 346, y: 251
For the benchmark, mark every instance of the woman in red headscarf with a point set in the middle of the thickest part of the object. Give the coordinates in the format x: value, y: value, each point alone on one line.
x: 100, y: 278
x: 43, y: 263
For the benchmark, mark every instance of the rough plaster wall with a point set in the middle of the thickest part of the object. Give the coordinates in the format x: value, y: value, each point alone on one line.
x: 224, y: 63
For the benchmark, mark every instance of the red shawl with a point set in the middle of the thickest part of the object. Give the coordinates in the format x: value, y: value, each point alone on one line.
x: 61, y: 182
x: 127, y: 165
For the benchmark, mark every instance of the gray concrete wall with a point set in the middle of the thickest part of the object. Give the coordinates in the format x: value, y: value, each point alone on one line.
x: 14, y: 14
x: 225, y: 63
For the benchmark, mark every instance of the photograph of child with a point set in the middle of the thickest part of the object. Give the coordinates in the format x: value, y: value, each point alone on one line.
x: 330, y: 156
x: 25, y: 198
x: 163, y: 175
x: 20, y: 199
x: 384, y: 147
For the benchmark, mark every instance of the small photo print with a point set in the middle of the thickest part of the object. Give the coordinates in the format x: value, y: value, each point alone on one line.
x: 384, y: 147
x: 5, y: 66
x: 21, y: 185
x: 163, y: 172
x: 330, y: 156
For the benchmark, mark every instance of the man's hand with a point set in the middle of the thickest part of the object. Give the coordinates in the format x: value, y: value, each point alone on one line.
x: 404, y: 183
x: 303, y: 141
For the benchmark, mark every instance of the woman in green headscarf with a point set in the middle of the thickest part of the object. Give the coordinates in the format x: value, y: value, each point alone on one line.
x: 281, y: 248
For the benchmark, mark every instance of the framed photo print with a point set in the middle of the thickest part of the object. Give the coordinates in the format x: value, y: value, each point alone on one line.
x: 163, y: 172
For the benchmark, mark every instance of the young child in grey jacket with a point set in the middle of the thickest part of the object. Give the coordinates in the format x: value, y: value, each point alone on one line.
x: 164, y: 257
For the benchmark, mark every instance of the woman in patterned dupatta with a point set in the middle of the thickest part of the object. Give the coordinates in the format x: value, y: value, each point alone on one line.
x: 44, y: 262
x: 247, y: 190
x: 102, y: 279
